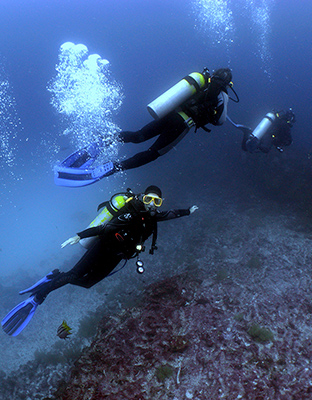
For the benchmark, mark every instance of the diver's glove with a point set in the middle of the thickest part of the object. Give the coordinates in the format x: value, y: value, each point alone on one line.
x: 192, y: 209
x: 72, y: 240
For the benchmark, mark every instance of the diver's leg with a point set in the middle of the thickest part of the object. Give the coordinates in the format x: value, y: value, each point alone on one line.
x: 137, y: 160
x: 172, y: 132
x: 89, y: 271
x: 93, y: 266
x: 149, y: 131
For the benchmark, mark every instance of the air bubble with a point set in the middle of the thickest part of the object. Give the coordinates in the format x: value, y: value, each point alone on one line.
x: 86, y: 96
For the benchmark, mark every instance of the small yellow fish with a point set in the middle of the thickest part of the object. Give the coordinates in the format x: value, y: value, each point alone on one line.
x: 63, y: 331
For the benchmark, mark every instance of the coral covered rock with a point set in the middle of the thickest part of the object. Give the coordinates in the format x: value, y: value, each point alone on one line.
x: 176, y: 346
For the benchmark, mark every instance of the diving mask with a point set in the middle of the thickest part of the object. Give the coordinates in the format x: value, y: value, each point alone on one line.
x: 149, y: 198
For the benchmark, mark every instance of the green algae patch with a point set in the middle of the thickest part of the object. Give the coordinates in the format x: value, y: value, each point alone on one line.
x: 260, y: 334
x: 164, y: 372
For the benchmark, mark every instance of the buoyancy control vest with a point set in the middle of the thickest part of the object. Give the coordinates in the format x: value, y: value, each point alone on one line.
x: 203, y: 106
x: 111, y: 208
x: 117, y: 205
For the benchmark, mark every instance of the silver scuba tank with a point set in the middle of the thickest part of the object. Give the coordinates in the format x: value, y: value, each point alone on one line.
x: 263, y: 127
x: 176, y: 95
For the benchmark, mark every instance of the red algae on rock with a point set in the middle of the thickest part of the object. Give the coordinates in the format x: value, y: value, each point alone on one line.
x: 175, y: 345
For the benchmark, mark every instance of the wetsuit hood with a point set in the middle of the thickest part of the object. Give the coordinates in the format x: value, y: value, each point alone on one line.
x: 153, y: 189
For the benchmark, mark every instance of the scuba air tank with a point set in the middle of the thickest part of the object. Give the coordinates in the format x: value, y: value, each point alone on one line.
x: 262, y: 128
x: 177, y: 95
x: 111, y: 208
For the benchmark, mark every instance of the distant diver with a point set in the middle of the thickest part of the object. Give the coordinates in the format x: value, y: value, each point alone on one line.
x: 197, y: 100
x: 273, y: 130
x: 117, y: 233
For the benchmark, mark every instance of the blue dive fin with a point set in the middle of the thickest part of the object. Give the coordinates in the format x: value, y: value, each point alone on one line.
x: 76, y: 170
x: 82, y: 158
x: 18, y: 318
x: 243, y: 128
x: 77, y: 177
x: 38, y: 285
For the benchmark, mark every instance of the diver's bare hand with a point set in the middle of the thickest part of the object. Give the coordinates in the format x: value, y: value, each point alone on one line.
x: 71, y: 241
x: 193, y: 209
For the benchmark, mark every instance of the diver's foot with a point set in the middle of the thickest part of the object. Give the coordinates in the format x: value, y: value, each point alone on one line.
x: 38, y: 286
x: 104, y: 170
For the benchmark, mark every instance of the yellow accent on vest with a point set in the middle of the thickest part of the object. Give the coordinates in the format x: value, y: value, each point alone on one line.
x: 188, y: 120
x: 183, y: 115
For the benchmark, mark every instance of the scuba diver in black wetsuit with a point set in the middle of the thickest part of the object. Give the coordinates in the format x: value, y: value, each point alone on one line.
x: 197, y: 100
x: 127, y: 221
x: 207, y: 106
x: 273, y: 130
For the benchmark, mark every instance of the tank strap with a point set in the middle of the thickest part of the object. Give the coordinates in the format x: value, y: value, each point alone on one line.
x: 112, y: 210
x: 192, y: 82
x: 187, y: 120
x: 102, y: 205
x: 269, y: 118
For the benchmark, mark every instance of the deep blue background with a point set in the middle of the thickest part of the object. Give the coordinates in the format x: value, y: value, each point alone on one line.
x: 150, y: 46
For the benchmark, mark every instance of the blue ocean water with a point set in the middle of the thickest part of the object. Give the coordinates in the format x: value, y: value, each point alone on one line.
x: 150, y: 45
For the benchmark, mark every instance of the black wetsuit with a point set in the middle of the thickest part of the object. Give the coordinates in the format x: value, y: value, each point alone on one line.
x: 171, y: 130
x: 204, y: 108
x: 117, y: 240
